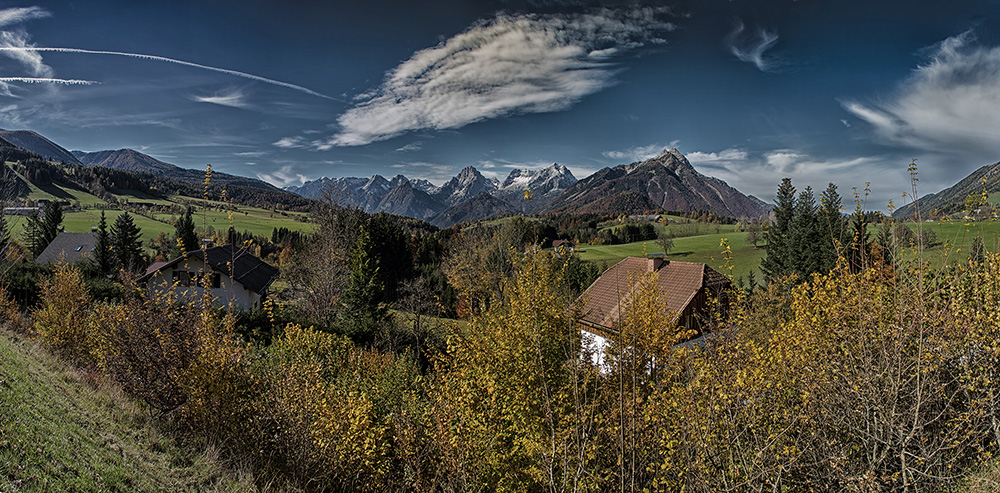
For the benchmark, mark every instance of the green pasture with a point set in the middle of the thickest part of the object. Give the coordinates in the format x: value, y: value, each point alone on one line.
x: 702, y: 248
x: 956, y: 239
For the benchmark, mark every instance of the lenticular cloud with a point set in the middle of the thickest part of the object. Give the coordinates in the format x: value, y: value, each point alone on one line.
x: 509, y: 64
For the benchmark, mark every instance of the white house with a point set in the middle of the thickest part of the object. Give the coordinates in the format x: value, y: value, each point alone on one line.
x: 233, y: 275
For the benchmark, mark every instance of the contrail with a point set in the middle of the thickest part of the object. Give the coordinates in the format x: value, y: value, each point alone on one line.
x: 40, y: 80
x: 173, y: 60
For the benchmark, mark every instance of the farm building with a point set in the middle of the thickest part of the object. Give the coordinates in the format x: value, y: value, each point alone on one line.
x: 685, y: 288
x: 233, y: 275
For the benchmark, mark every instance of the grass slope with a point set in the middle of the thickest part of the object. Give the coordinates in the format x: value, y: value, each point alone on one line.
x: 59, y: 433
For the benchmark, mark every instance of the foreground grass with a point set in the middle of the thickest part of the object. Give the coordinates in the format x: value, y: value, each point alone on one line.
x: 59, y: 431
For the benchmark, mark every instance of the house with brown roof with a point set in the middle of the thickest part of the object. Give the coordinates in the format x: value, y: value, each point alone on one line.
x: 685, y: 288
x: 233, y: 276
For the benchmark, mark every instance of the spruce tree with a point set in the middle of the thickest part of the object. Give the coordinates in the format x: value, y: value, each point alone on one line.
x: 831, y: 223
x: 51, y: 222
x: 126, y: 243
x: 779, y: 252
x: 184, y: 234
x: 804, y: 237
x: 362, y: 307
x: 102, y: 258
x: 34, y: 234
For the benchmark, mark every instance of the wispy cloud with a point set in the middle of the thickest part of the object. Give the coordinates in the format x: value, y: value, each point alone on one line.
x: 290, y: 143
x: 34, y: 50
x: 506, y: 65
x: 949, y: 104
x: 232, y: 97
x: 48, y: 80
x: 283, y: 177
x: 634, y: 154
x: 750, y: 47
x: 724, y: 156
x: 412, y: 146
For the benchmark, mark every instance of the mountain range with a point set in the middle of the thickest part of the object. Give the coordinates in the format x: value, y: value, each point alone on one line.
x: 665, y: 182
x: 241, y: 188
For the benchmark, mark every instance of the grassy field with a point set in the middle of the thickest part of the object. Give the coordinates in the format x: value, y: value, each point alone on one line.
x: 702, y: 248
x: 59, y: 432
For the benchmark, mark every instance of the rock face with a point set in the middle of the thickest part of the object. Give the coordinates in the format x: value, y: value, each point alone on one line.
x: 407, y: 200
x: 670, y: 183
x: 469, y: 183
x: 544, y: 184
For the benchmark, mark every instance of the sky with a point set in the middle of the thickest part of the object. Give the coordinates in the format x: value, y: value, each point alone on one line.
x: 751, y: 92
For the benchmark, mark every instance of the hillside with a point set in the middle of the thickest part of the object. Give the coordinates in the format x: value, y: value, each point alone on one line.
x: 34, y: 142
x: 65, y: 430
x: 952, y: 199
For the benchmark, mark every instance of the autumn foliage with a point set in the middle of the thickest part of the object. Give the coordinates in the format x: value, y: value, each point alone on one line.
x: 869, y: 379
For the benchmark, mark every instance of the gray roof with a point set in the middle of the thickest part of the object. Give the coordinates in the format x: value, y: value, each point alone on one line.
x: 248, y: 270
x: 68, y: 247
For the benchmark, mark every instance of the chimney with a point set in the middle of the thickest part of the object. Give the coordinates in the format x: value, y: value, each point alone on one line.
x: 653, y: 264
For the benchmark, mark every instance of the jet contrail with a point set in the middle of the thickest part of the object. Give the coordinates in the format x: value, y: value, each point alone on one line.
x: 40, y: 80
x: 173, y: 60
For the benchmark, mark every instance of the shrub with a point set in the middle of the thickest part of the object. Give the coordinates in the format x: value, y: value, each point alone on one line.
x: 61, y: 321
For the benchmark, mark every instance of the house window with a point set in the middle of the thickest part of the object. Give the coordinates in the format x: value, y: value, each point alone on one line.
x: 184, y: 278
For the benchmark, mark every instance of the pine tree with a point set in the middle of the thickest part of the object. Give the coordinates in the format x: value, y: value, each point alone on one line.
x: 125, y: 242
x: 778, y: 260
x: 102, y: 258
x: 363, y: 311
x: 184, y: 234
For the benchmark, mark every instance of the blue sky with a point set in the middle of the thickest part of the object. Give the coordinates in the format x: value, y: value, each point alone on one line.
x: 750, y: 91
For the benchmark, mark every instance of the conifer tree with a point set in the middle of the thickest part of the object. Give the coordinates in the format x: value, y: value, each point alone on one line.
x: 779, y: 250
x: 4, y: 238
x: 184, y: 234
x: 51, y: 222
x: 831, y: 223
x: 363, y: 311
x: 34, y: 234
x: 125, y: 242
x: 102, y: 258
x: 804, y: 237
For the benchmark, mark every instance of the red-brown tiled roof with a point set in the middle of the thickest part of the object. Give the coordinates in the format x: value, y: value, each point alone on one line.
x: 679, y: 283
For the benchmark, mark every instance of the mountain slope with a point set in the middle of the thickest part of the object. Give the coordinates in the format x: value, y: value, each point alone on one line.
x: 38, y: 144
x: 407, y: 200
x: 669, y: 181
x: 481, y: 206
x: 952, y: 199
x: 126, y: 159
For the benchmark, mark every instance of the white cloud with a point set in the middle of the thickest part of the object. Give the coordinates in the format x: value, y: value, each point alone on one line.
x: 290, y: 143
x: 21, y: 14
x: 232, y: 97
x: 412, y: 146
x: 507, y: 65
x: 759, y: 174
x: 283, y: 177
x: 949, y: 104
x: 731, y: 154
x: 750, y: 47
x: 634, y: 154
